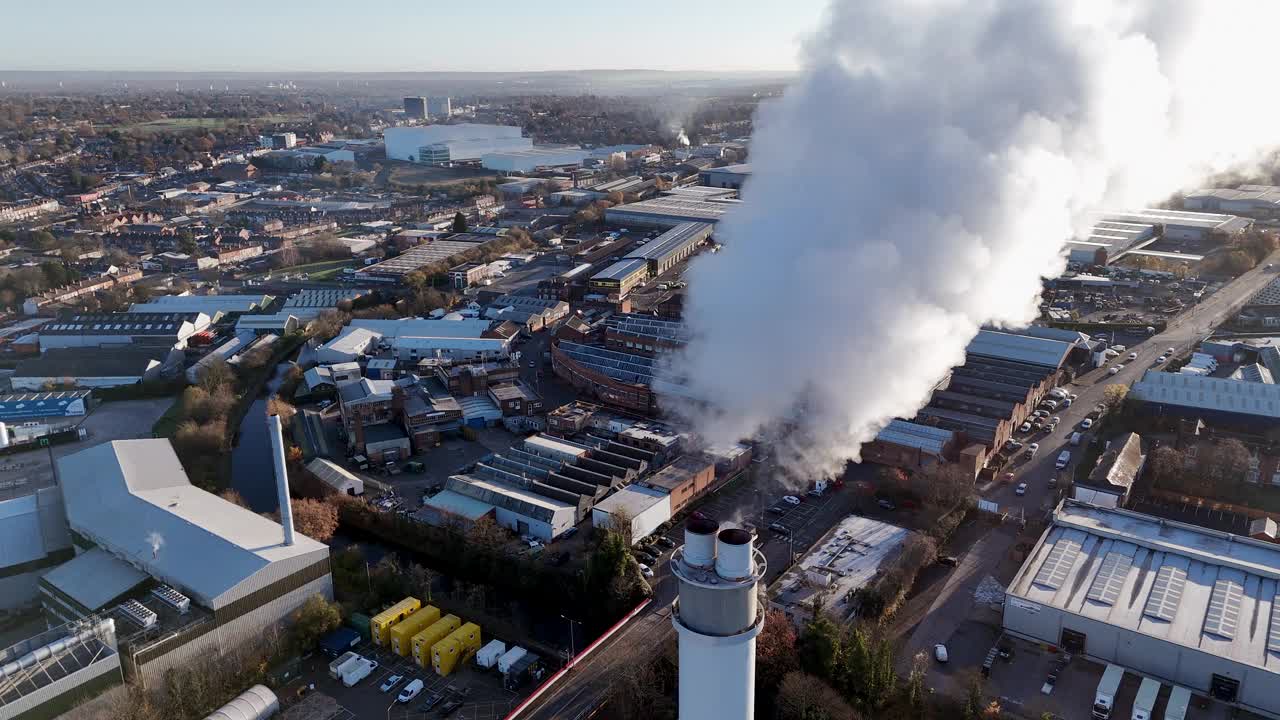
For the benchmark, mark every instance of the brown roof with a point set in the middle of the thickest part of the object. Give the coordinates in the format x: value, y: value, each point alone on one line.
x: 1119, y: 466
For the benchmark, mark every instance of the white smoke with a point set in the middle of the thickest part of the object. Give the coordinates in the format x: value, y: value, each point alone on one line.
x: 919, y: 178
x: 156, y: 541
x: 682, y: 138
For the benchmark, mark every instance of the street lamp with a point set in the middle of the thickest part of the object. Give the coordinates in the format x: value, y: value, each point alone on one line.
x: 572, y: 649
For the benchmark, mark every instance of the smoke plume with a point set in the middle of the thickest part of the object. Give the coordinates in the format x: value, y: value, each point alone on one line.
x: 682, y: 138
x: 156, y: 541
x: 918, y: 179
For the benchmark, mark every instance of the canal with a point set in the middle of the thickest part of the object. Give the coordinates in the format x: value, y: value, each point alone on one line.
x: 252, y: 470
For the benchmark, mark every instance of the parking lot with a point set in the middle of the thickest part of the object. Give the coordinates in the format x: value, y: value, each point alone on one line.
x: 479, y: 691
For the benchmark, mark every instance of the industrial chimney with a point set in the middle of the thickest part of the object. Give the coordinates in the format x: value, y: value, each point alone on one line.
x: 282, y: 476
x: 717, y: 617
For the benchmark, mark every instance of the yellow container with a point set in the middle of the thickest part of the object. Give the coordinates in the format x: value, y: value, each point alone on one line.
x: 423, y: 641
x: 380, y: 625
x: 461, y: 645
x: 402, y: 632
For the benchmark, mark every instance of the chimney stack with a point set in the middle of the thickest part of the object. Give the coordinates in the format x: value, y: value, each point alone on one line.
x: 282, y: 476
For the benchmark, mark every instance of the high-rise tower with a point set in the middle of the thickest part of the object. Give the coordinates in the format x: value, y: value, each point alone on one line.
x: 717, y: 617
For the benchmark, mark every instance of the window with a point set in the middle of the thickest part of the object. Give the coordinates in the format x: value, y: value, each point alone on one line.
x: 1062, y: 557
x: 1110, y: 578
x: 1166, y: 593
x: 1224, y: 608
x: 1224, y: 688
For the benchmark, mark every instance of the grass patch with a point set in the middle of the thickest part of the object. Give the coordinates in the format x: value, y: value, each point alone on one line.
x: 181, y: 124
x: 328, y: 267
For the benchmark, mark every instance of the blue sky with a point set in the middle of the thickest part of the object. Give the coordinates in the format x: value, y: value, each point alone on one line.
x: 409, y: 35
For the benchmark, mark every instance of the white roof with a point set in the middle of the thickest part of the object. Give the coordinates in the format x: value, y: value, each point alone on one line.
x: 95, y: 578
x: 134, y: 500
x: 352, y: 340
x: 1184, y: 584
x: 1020, y: 348
x: 201, y: 303
x: 1208, y: 393
x: 552, y: 445
x: 418, y: 327
x: 632, y: 500
x: 848, y: 557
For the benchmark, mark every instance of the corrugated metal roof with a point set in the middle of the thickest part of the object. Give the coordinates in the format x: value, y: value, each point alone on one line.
x: 95, y: 578
x: 621, y: 270
x: 1208, y: 393
x: 1021, y: 348
x: 923, y: 437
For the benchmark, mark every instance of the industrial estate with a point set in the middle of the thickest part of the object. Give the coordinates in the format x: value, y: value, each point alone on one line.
x: 336, y: 400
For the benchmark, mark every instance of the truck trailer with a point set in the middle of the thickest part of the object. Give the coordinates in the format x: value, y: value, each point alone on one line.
x: 357, y: 671
x: 335, y: 667
x: 1144, y: 704
x: 1179, y: 702
x: 1105, y: 698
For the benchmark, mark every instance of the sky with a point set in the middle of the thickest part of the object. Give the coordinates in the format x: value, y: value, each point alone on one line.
x: 406, y: 35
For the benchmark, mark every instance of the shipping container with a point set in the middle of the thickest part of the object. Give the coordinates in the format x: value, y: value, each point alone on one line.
x: 458, y: 648
x: 380, y: 625
x: 402, y: 632
x: 509, y: 658
x: 425, y: 640
x: 489, y: 654
x: 360, y: 623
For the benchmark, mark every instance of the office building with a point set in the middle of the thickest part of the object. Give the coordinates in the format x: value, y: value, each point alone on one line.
x: 439, y: 108
x: 523, y: 161
x: 415, y: 107
x: 443, y: 144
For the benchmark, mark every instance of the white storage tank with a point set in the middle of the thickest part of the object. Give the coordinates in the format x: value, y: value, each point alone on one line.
x: 256, y: 703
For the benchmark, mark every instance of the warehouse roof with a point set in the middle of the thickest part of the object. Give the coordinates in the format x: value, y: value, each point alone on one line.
x: 509, y: 497
x: 1257, y: 194
x: 1022, y: 348
x: 647, y: 326
x: 455, y: 503
x: 1183, y: 218
x: 631, y: 500
x: 673, y: 241
x: 621, y: 270
x: 79, y: 362
x: 1208, y: 393
x: 1199, y: 588
x: 1268, y: 295
x: 845, y: 559
x: 1119, y: 466
x: 133, y: 498
x: 673, y: 207
x: 923, y: 437
x: 61, y: 403
x: 159, y: 324
x: 208, y: 304
x: 95, y: 578
x: 679, y: 473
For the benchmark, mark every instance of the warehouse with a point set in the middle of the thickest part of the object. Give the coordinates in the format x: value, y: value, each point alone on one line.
x: 1109, y: 241
x: 60, y: 668
x: 530, y: 313
x: 1258, y: 201
x: 335, y: 477
x: 413, y: 339
x: 1181, y: 225
x: 229, y: 572
x: 643, y: 334
x: 38, y: 405
x: 683, y: 480
x: 95, y: 367
x: 165, y: 330
x: 644, y: 509
x: 729, y: 176
x: 443, y: 144
x: 418, y: 256
x: 619, y: 279
x: 910, y: 446
x: 665, y: 251
x: 517, y: 508
x: 33, y: 537
x: 523, y: 161
x: 668, y: 211
x: 614, y: 378
x: 1179, y: 603
x: 215, y: 306
x: 1221, y: 402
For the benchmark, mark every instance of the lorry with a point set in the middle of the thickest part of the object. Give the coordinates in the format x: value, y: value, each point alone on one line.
x: 1105, y: 697
x: 1144, y: 704
x: 1179, y: 701
x: 354, y: 672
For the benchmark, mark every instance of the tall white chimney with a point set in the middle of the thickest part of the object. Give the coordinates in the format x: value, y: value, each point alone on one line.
x: 282, y: 476
x: 717, y: 618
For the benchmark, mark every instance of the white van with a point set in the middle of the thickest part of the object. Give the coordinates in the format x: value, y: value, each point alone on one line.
x: 1064, y: 459
x: 1076, y: 438
x: 409, y: 692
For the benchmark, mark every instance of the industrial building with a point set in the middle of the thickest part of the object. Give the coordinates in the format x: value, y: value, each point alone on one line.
x: 215, y: 306
x: 1178, y: 603
x: 643, y: 334
x: 1256, y: 201
x: 410, y: 340
x: 683, y: 480
x: 103, y: 367
x: 394, y: 269
x: 508, y: 501
x: 184, y: 573
x: 528, y: 160
x: 615, y: 378
x: 665, y: 251
x: 386, y: 420
x: 1110, y: 481
x: 729, y: 176
x: 642, y: 508
x: 444, y: 144
x: 54, y: 671
x: 618, y: 280
x: 668, y: 211
x: 851, y: 555
x: 44, y: 405
x: 415, y: 107
x: 1219, y: 401
x: 167, y: 330
x: 33, y: 537
x: 1182, y: 225
x: 1109, y: 240
x: 530, y: 313
x: 910, y: 446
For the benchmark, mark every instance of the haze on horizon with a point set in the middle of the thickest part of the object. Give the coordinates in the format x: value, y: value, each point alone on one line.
x: 387, y: 36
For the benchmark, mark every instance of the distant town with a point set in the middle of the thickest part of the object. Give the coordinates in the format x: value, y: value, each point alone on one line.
x: 335, y: 406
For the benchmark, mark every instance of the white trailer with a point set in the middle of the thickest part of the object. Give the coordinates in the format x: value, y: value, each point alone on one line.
x: 335, y: 667
x: 1179, y: 702
x: 1144, y: 704
x: 509, y: 658
x: 357, y: 671
x: 490, y: 653
x: 1105, y: 698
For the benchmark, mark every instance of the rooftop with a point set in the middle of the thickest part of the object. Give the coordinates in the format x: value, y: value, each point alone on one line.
x: 133, y: 498
x: 62, y: 403
x: 1119, y: 466
x: 632, y: 500
x: 845, y: 559
x: 1022, y: 348
x: 675, y: 208
x: 673, y: 241
x: 678, y: 473
x: 95, y: 578
x: 923, y: 437
x: 1208, y: 393
x: 1198, y: 588
x: 79, y: 362
x: 162, y: 324
x: 621, y: 270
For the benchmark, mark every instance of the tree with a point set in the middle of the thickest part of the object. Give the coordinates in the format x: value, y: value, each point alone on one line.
x: 421, y: 580
x: 234, y: 497
x: 775, y: 650
x: 819, y: 649
x: 1169, y: 468
x: 459, y: 222
x: 804, y: 697
x: 915, y: 681
x: 974, y: 704
x: 316, y: 519
x: 1227, y: 463
x: 1113, y: 398
x: 319, y: 165
x: 316, y: 618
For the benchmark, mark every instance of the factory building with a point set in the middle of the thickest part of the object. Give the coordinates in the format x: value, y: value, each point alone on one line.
x: 729, y: 176
x: 528, y: 160
x: 642, y: 508
x: 1255, y: 201
x: 847, y: 558
x: 618, y: 280
x: 1221, y: 402
x: 683, y: 480
x: 615, y: 378
x: 306, y: 305
x: 668, y: 211
x: 1109, y: 240
x: 56, y: 670
x: 44, y: 405
x: 103, y: 367
x: 1178, y: 603
x: 910, y: 446
x: 522, y: 505
x: 33, y: 537
x: 444, y: 144
x: 643, y: 334
x: 411, y: 340
x: 215, y: 306
x: 184, y: 573
x: 1189, y: 226
x: 166, y: 330
x: 530, y: 313
x: 393, y: 270
x: 665, y: 251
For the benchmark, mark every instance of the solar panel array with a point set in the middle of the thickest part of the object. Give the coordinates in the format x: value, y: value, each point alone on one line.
x: 1224, y: 608
x: 617, y: 365
x: 646, y: 325
x: 1110, y: 578
x: 1166, y: 593
x: 1053, y: 572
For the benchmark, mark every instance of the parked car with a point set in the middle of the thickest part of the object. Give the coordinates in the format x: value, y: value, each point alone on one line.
x: 1032, y: 449
x: 1064, y: 459
x: 1169, y: 351
x: 780, y: 528
x: 646, y: 571
x: 665, y: 542
x: 1026, y: 427
x: 940, y: 653
x: 410, y: 692
x: 1021, y: 489
x: 391, y: 682
x: 886, y: 504
x: 948, y: 560
x: 778, y: 510
x: 791, y: 499
x: 1115, y: 369
x: 1086, y: 423
x: 450, y: 708
x: 1133, y: 356
x: 644, y: 557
